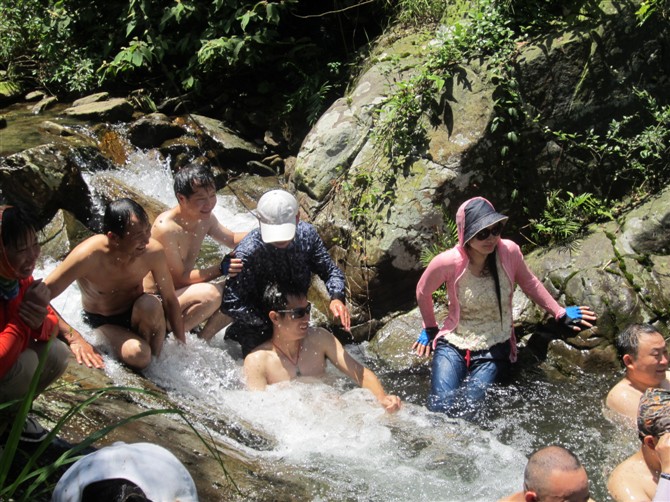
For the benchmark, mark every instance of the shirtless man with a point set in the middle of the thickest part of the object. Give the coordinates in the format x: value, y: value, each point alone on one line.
x: 109, y: 269
x: 181, y: 231
x: 298, y: 350
x: 553, y: 473
x: 645, y: 355
x: 646, y: 474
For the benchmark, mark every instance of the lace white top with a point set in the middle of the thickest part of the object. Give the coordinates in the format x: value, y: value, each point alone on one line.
x: 480, y: 327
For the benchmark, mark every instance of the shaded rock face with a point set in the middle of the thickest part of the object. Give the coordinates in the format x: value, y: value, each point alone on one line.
x: 48, y: 178
x: 152, y: 130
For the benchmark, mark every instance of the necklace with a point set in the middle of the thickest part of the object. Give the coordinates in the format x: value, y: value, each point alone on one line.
x: 297, y: 358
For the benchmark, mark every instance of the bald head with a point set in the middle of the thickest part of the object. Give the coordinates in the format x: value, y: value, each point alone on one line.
x: 555, y: 473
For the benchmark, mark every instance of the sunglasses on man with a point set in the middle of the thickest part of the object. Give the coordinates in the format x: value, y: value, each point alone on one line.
x: 495, y: 231
x: 298, y: 312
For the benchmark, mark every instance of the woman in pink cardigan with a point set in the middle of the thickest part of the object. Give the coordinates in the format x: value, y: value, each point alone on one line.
x: 476, y: 342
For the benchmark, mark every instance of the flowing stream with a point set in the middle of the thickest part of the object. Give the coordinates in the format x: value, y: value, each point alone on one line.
x: 340, y: 438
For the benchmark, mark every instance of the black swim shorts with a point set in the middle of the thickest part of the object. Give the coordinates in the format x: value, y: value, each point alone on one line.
x: 96, y: 320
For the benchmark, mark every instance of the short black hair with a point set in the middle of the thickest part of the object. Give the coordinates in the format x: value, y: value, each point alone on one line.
x: 113, y: 490
x: 628, y: 341
x: 17, y: 226
x: 188, y: 178
x: 545, y: 460
x: 275, y: 296
x: 118, y: 214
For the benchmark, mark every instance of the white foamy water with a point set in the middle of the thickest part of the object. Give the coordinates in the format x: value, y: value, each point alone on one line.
x: 338, y: 436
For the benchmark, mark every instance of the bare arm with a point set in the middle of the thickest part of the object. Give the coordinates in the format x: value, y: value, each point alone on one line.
x: 224, y: 236
x: 365, y: 378
x: 75, y: 265
x: 254, y: 371
x: 83, y: 351
x: 165, y: 286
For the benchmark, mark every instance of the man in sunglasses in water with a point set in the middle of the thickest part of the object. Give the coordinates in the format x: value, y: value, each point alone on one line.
x: 298, y: 350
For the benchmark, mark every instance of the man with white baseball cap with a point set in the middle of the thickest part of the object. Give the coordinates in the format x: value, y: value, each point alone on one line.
x: 278, y: 216
x: 284, y: 249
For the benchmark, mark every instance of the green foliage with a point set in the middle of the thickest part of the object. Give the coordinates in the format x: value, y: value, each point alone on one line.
x: 632, y: 153
x: 237, y: 50
x: 446, y: 239
x: 423, y: 12
x: 650, y: 8
x: 37, y: 46
x: 566, y: 216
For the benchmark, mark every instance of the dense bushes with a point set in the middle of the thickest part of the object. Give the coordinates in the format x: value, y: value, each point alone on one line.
x: 288, y: 55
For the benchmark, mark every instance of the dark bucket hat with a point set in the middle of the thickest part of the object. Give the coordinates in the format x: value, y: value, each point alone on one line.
x: 480, y: 214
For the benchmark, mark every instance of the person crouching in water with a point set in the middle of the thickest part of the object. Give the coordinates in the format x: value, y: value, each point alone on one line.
x: 26, y: 320
x: 476, y: 342
x: 298, y: 350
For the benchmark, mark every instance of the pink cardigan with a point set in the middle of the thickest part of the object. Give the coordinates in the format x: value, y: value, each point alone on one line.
x: 448, y: 268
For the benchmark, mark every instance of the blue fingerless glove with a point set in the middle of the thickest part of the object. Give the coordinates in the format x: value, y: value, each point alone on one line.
x: 572, y: 317
x: 225, y: 265
x: 427, y: 336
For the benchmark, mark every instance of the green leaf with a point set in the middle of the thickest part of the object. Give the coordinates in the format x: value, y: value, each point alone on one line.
x: 272, y: 13
x: 137, y: 58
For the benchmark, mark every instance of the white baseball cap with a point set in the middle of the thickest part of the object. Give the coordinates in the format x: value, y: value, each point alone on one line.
x: 156, y: 471
x: 277, y: 211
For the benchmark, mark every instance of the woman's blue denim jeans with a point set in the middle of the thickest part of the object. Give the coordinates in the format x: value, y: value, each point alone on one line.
x: 455, y: 388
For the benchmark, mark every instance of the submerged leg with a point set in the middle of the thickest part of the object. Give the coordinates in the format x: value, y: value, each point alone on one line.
x: 448, y: 372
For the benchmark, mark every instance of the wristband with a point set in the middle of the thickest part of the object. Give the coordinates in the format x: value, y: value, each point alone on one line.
x: 663, y: 488
x: 427, y: 335
x: 572, y: 317
x: 225, y: 265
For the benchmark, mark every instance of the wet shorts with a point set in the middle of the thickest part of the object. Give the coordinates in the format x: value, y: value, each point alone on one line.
x: 96, y: 320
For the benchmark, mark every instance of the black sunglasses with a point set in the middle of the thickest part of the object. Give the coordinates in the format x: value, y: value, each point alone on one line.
x: 299, y: 312
x: 495, y: 230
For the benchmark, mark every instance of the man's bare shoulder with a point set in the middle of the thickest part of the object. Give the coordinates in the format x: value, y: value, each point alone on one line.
x: 623, y: 398
x: 319, y: 336
x: 165, y: 223
x: 631, y: 480
x: 259, y: 356
x: 92, y: 249
x: 154, y: 246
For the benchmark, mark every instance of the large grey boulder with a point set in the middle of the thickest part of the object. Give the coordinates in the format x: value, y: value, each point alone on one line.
x: 228, y: 145
x: 616, y: 268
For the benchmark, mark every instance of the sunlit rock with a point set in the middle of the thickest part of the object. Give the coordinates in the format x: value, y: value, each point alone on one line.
x: 112, y: 110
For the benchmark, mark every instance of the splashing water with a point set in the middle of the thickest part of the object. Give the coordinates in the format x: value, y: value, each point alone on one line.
x: 340, y: 438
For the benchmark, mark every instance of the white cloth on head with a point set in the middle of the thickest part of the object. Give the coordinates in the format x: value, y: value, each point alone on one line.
x: 160, y: 475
